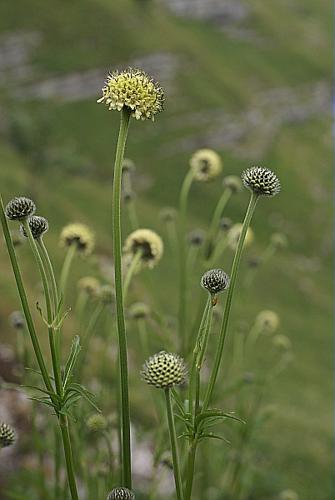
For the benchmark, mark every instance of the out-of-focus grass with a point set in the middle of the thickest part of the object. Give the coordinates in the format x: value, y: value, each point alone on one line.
x: 215, y: 72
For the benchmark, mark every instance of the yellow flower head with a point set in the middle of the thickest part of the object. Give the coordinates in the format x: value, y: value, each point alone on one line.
x: 135, y: 90
x: 148, y: 243
x: 80, y: 236
x: 206, y: 164
x: 89, y: 285
x: 288, y: 495
x: 234, y: 233
x: 282, y: 342
x: 267, y: 321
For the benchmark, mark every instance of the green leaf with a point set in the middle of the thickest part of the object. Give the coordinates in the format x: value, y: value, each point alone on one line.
x: 210, y: 435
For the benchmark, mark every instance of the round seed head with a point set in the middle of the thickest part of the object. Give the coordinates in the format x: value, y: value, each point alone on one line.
x: 128, y: 166
x: 135, y: 90
x: 121, y: 493
x: 89, y: 285
x: 282, y: 342
x: 279, y: 240
x: 196, y: 237
x: 215, y: 281
x: 16, y: 320
x: 148, y: 243
x: 7, y: 435
x: 261, y: 181
x: 233, y: 183
x: 288, y: 495
x: 38, y: 226
x: 139, y: 310
x: 164, y: 370
x: 107, y: 294
x: 20, y: 208
x: 168, y: 214
x: 206, y: 164
x: 225, y: 223
x: 268, y: 321
x: 96, y: 423
x: 78, y: 235
x: 234, y: 234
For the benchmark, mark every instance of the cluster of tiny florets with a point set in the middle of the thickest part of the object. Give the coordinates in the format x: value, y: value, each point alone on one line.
x: 135, y: 90
x: 38, y: 226
x: 261, y: 181
x: 148, y: 243
x: 215, y: 281
x: 80, y: 236
x: 205, y: 164
x: 7, y: 435
x: 164, y: 370
x: 19, y: 208
x: 121, y: 493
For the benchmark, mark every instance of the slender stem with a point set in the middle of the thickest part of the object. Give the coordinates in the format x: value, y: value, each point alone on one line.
x: 64, y: 426
x: 190, y: 468
x: 110, y: 456
x: 24, y: 302
x: 174, y: 447
x: 64, y: 275
x: 215, y: 223
x: 50, y: 318
x: 196, y: 352
x: 130, y: 273
x: 218, y: 251
x: 57, y: 452
x: 50, y: 270
x: 121, y: 327
x: 182, y: 259
x: 132, y: 214
x: 225, y: 320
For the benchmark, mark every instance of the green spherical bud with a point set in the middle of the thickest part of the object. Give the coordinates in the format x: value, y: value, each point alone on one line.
x: 121, y: 493
x: 20, y: 208
x: 164, y: 370
x: 288, y: 495
x: 38, y: 226
x: 134, y: 90
x: 16, y: 320
x: 196, y: 237
x: 215, y: 281
x: 233, y: 183
x: 96, y: 423
x: 7, y: 435
x: 279, y: 240
x: 107, y: 294
x: 89, y: 285
x: 139, y: 310
x: 261, y: 181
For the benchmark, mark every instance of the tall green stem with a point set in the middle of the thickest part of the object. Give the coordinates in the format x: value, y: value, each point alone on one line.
x: 225, y: 320
x: 174, y: 447
x: 64, y: 275
x: 121, y: 327
x: 215, y: 224
x: 24, y: 302
x: 64, y: 426
x: 182, y: 260
x: 130, y: 273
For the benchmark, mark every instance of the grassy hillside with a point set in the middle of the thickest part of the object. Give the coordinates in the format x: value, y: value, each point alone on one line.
x: 215, y: 79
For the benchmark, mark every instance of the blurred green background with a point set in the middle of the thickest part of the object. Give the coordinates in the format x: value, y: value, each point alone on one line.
x: 251, y: 79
